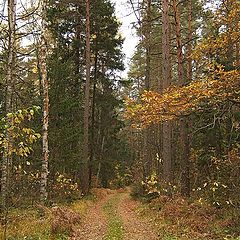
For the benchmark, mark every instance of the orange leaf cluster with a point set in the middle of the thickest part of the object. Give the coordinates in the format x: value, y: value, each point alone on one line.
x: 181, y: 101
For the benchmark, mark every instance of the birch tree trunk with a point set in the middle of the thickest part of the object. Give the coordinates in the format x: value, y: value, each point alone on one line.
x: 10, y: 81
x: 184, y: 141
x: 166, y: 78
x: 45, y: 87
x: 86, y: 153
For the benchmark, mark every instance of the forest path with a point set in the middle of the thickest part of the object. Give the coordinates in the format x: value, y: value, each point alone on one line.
x: 114, y: 217
x: 135, y: 227
x: 94, y: 224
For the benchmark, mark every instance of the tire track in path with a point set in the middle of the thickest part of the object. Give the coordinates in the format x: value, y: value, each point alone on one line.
x: 135, y: 227
x: 94, y: 223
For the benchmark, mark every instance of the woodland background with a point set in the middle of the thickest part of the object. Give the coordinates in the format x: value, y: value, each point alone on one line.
x: 69, y: 122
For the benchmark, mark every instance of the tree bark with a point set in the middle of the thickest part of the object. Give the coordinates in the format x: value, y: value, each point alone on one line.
x: 184, y: 158
x: 93, y: 142
x: 85, y: 166
x: 10, y: 81
x: 178, y: 42
x: 166, y: 76
x: 189, y: 46
x: 45, y: 87
x: 184, y: 141
x: 148, y: 45
x: 147, y: 132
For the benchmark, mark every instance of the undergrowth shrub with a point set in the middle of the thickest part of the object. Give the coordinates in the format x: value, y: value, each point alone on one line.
x: 63, y: 221
x: 64, y: 189
x: 138, y: 191
x: 151, y: 188
x: 123, y: 177
x: 194, y: 220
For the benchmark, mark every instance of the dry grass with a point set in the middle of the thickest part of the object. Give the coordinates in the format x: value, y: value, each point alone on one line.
x: 182, y: 220
x: 63, y: 220
x: 25, y: 223
x: 55, y: 223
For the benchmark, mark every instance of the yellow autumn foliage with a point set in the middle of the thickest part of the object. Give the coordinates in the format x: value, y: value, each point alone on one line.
x: 182, y: 101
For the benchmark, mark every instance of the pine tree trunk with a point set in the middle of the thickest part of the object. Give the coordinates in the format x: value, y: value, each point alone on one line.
x: 189, y: 46
x: 10, y: 81
x: 92, y: 150
x: 184, y: 158
x: 45, y: 87
x: 184, y: 142
x: 166, y: 76
x: 85, y: 166
x: 148, y: 46
x: 146, y: 28
x: 179, y: 42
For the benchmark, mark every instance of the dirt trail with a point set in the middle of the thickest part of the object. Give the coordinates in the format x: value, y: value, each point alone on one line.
x: 95, y: 226
x: 135, y: 228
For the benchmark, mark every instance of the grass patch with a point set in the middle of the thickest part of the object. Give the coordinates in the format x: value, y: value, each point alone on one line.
x: 115, y: 228
x: 169, y: 238
x: 26, y: 224
x: 29, y: 224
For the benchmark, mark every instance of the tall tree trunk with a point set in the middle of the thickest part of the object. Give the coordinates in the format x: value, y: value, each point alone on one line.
x: 166, y: 76
x: 10, y: 81
x: 85, y: 166
x: 184, y: 142
x: 77, y: 51
x: 147, y: 132
x: 92, y: 150
x: 189, y: 45
x: 45, y: 87
x: 148, y: 45
x: 178, y: 42
x: 184, y: 148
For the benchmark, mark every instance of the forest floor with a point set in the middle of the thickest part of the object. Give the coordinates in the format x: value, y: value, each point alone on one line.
x: 115, y: 217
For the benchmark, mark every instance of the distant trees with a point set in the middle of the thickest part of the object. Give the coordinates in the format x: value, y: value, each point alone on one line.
x: 86, y: 79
